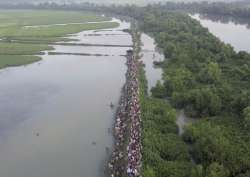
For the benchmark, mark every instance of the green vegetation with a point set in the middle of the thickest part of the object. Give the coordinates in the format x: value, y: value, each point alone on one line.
x: 223, y: 141
x: 238, y: 10
x: 202, y: 74
x: 17, y: 24
x: 18, y: 38
x: 210, y: 81
x: 164, y: 152
x: 22, y: 49
x: 46, y: 17
x: 15, y: 60
x: 207, y: 78
x: 13, y: 54
x: 51, y: 31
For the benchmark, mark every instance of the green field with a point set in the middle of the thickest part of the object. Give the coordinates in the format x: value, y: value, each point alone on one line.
x: 15, y: 60
x: 15, y: 25
x: 52, y: 31
x: 22, y: 49
x: 46, y: 17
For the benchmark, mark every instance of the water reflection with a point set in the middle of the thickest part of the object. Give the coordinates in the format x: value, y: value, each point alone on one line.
x: 109, y: 36
x: 151, y: 54
x: 226, y: 19
x: 236, y: 34
x: 115, y: 51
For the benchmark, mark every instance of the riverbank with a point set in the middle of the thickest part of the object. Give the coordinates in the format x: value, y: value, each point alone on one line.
x: 164, y: 152
x: 126, y: 157
x: 159, y: 147
x: 13, y: 61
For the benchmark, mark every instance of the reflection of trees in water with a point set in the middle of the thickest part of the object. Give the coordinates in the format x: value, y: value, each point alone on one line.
x: 226, y: 19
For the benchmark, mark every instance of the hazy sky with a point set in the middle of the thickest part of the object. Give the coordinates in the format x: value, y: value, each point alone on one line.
x: 111, y: 1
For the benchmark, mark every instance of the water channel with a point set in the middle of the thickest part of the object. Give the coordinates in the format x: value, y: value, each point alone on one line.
x: 150, y: 54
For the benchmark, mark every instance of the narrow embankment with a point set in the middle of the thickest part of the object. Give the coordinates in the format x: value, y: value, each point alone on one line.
x: 78, y: 54
x: 126, y: 157
x: 162, y: 147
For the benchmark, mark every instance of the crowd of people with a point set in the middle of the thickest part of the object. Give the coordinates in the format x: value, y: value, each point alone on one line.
x: 126, y: 157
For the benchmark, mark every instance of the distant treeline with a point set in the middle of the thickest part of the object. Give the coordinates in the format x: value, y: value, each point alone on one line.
x: 239, y: 9
x: 236, y: 9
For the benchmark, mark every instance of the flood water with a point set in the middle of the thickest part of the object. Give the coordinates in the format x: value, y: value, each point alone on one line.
x: 151, y: 54
x: 55, y: 116
x: 229, y: 31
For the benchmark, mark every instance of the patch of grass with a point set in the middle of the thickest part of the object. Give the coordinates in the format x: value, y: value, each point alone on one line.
x: 31, y: 40
x: 15, y: 60
x: 22, y: 49
x: 53, y: 31
x: 46, y: 17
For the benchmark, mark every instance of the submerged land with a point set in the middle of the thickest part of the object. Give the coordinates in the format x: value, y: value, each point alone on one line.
x: 25, y: 33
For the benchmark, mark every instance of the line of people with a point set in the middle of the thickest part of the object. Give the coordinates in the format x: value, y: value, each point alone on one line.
x: 126, y: 157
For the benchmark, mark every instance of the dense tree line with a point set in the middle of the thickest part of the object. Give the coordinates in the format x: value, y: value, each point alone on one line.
x: 234, y: 9
x: 239, y: 9
x: 208, y: 79
x: 201, y: 73
x: 164, y: 152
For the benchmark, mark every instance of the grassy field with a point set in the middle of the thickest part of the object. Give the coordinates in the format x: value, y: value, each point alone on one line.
x: 52, y: 31
x: 22, y: 49
x: 15, y: 60
x: 46, y: 17
x: 14, y: 25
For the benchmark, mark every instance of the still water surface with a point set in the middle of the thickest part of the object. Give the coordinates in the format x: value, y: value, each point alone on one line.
x: 55, y: 116
x: 151, y: 54
x: 229, y: 31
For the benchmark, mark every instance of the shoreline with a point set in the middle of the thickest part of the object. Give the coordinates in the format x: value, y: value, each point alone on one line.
x: 126, y: 158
